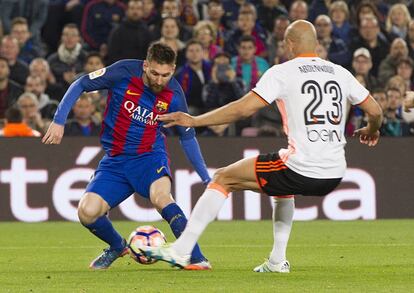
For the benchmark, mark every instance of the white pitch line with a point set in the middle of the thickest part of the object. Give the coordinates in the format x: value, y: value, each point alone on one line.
x: 225, y: 246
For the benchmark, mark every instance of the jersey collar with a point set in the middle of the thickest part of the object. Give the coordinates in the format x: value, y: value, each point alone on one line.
x: 307, y: 55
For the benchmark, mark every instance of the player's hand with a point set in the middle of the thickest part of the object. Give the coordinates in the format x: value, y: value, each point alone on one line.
x: 54, y: 134
x: 177, y: 118
x: 366, y: 136
x: 408, y: 101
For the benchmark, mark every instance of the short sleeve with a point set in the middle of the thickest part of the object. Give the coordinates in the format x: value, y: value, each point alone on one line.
x: 270, y: 86
x: 357, y: 92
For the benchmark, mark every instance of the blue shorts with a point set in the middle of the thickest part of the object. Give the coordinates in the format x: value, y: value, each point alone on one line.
x: 119, y: 177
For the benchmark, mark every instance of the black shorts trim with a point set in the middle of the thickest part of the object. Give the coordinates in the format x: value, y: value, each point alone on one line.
x: 276, y: 179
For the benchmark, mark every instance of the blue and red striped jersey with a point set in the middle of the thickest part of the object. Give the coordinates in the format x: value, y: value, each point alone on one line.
x: 129, y: 123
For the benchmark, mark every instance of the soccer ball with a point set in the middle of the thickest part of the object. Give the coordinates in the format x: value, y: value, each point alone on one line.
x: 144, y: 236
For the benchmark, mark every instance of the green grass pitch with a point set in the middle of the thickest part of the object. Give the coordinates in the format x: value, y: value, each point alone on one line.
x: 326, y: 256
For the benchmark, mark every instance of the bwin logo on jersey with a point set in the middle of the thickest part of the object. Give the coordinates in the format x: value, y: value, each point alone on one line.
x: 140, y: 114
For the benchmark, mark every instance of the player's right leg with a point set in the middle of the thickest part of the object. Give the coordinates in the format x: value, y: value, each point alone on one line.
x: 106, y: 190
x: 92, y: 213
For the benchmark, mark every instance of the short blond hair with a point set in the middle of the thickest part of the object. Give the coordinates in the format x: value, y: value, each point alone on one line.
x: 339, y: 5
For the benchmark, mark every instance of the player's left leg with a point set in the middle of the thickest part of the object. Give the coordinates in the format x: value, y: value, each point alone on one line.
x: 160, y: 196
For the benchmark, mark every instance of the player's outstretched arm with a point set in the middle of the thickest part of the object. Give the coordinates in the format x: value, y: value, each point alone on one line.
x: 370, y: 134
x: 242, y: 108
x: 54, y: 134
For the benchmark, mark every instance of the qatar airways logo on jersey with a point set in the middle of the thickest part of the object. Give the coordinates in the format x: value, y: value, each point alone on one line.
x: 141, y: 114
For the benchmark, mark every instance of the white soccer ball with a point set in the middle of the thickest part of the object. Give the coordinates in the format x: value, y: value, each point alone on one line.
x: 144, y: 236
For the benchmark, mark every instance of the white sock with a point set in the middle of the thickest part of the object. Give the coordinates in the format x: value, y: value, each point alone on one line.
x: 282, y: 224
x: 204, y: 212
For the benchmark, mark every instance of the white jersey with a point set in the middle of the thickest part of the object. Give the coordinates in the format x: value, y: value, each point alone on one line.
x: 312, y: 96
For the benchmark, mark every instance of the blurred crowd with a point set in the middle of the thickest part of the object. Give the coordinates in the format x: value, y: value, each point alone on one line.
x: 223, y: 48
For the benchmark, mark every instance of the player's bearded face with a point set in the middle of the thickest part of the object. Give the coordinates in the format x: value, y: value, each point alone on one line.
x: 157, y: 76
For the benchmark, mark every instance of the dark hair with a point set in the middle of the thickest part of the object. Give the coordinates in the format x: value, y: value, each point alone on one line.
x: 13, y: 115
x: 366, y: 3
x: 217, y: 2
x: 93, y: 54
x: 222, y: 54
x: 193, y: 42
x: 71, y: 26
x: 5, y: 60
x: 247, y: 39
x: 407, y: 61
x: 161, y: 53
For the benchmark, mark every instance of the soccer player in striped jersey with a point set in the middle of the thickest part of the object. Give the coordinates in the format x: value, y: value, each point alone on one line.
x: 136, y: 158
x: 312, y: 95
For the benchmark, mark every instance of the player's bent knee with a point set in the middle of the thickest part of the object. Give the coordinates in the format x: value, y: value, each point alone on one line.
x: 161, y: 200
x: 220, y: 177
x: 91, y: 207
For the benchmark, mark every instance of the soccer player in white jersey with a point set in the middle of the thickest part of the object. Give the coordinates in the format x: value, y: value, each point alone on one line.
x: 313, y: 96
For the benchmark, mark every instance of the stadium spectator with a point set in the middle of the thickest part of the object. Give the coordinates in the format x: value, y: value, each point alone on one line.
x: 405, y: 70
x: 276, y: 39
x: 381, y: 97
x: 410, y: 39
x: 337, y: 49
x: 268, y: 11
x: 248, y: 67
x: 192, y: 77
x: 267, y: 122
x: 69, y: 58
x: 231, y: 8
x: 150, y: 15
x: 34, y: 11
x: 298, y: 10
x: 369, y: 37
x: 189, y: 13
x: 29, y: 48
x: 246, y: 27
x: 83, y: 123
x: 318, y: 7
x: 388, y: 66
x: 10, y: 50
x: 170, y: 32
x: 366, y: 8
x: 37, y: 86
x: 9, y: 90
x: 99, y: 18
x: 339, y: 14
x: 171, y: 8
x: 321, y: 52
x: 29, y: 106
x: 205, y: 33
x: 397, y: 22
x: 215, y: 13
x: 15, y: 126
x: 40, y: 67
x: 93, y: 63
x: 361, y: 65
x: 224, y: 86
x: 409, y: 101
x: 130, y: 40
x: 394, y: 124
